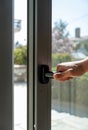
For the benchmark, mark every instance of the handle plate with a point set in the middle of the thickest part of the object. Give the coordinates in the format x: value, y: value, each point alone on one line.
x: 44, y: 74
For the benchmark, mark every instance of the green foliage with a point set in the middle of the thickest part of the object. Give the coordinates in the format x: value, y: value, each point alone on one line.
x: 20, y: 55
x: 60, y: 57
x: 84, y: 77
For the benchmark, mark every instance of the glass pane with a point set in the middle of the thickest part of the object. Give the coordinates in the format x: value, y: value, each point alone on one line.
x: 20, y: 65
x: 69, y: 43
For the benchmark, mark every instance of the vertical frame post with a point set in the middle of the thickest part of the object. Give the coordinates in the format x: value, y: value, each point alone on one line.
x: 6, y: 63
x: 42, y: 56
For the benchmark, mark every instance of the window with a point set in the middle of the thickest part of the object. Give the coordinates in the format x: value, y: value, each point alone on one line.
x: 20, y: 64
x: 52, y: 105
x: 69, y: 42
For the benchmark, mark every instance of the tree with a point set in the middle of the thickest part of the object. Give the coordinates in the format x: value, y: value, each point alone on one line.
x: 20, y: 55
x: 60, y: 57
x: 60, y: 40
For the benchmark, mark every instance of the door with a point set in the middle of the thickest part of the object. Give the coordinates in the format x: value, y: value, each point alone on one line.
x: 58, y: 105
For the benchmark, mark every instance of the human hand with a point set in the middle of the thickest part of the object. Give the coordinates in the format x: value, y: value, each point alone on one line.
x: 68, y: 70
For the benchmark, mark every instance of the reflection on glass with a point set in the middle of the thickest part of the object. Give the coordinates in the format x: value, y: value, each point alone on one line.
x: 69, y: 42
x: 20, y: 65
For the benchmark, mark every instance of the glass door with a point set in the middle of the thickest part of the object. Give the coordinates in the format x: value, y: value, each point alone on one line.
x: 69, y: 104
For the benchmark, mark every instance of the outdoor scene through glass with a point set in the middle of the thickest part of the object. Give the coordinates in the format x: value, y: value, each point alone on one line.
x: 69, y: 43
x: 20, y: 65
x: 69, y: 104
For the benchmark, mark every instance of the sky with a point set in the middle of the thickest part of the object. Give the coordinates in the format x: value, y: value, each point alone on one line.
x: 20, y: 12
x: 74, y: 12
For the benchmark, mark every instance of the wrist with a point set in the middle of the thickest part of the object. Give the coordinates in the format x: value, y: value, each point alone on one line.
x: 85, y: 64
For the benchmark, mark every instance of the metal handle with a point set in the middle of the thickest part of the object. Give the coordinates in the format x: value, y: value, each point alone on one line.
x: 49, y: 74
x: 45, y: 74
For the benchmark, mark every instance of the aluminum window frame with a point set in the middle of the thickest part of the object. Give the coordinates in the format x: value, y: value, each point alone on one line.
x: 6, y: 65
x: 39, y: 42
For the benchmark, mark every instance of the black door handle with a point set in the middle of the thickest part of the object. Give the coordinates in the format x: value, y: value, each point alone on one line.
x: 45, y: 74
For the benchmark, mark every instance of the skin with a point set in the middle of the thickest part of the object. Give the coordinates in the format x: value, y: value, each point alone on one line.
x: 69, y: 70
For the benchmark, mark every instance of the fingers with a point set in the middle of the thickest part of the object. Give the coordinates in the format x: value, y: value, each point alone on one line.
x: 64, y: 67
x: 61, y: 68
x: 66, y: 75
x: 65, y: 79
x: 68, y: 71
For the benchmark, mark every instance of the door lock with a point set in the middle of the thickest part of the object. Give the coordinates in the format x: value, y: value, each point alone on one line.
x: 45, y: 74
